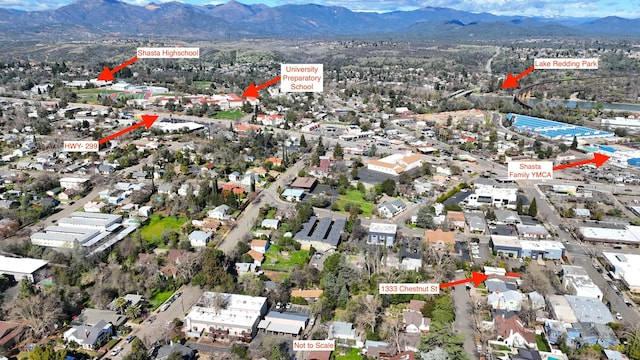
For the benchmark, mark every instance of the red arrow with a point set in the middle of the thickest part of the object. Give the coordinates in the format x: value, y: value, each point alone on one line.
x: 107, y: 75
x: 512, y: 81
x: 147, y: 121
x: 252, y: 90
x: 476, y: 277
x: 598, y: 159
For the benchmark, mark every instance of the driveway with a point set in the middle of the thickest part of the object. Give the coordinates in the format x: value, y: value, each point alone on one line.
x: 462, y: 324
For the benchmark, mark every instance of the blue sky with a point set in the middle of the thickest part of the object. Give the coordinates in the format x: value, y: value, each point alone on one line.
x: 548, y: 8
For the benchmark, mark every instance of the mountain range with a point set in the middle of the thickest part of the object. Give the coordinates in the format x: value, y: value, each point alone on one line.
x: 93, y: 19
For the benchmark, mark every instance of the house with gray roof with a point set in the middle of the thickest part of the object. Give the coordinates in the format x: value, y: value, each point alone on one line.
x: 389, y: 209
x: 476, y: 223
x: 186, y: 352
x: 322, y: 234
x: 507, y: 217
x: 90, y: 337
x: 344, y: 333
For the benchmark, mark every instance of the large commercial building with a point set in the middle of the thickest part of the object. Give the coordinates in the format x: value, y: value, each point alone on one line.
x: 23, y: 268
x: 492, y: 196
x: 396, y: 164
x: 382, y: 234
x: 535, y: 249
x: 87, y: 229
x: 627, y: 236
x: 226, y: 316
x: 625, y: 267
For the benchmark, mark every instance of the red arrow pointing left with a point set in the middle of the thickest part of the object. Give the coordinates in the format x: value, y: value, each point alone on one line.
x: 512, y: 81
x: 147, y: 121
x: 107, y: 75
x: 476, y: 277
x: 598, y: 160
x: 252, y: 90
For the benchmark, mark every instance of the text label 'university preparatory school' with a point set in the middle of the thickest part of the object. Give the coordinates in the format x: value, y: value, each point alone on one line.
x: 301, y: 78
x: 168, y: 53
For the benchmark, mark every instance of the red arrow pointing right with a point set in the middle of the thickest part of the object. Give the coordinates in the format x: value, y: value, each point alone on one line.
x: 476, y: 277
x: 598, y: 160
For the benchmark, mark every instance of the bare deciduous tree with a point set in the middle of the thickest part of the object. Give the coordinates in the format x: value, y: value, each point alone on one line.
x: 40, y: 313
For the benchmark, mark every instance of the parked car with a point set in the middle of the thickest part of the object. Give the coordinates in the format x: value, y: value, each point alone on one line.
x: 129, y: 338
x: 618, y: 316
x: 288, y: 306
x: 165, y: 307
x: 278, y: 305
x: 116, y: 351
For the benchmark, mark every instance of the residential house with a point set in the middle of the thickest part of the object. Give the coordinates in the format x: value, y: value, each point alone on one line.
x: 199, y: 238
x: 323, y: 169
x: 344, y: 334
x: 89, y: 337
x: 508, y: 300
x: 422, y: 187
x: 375, y: 349
x: 536, y: 301
x: 259, y: 245
x: 283, y: 323
x: 533, y: 232
x: 10, y: 334
x: 309, y: 294
x: 414, y: 322
x: 513, y: 333
x: 185, y: 352
x: 91, y: 317
x: 411, y: 257
x: 476, y: 223
x: 270, y: 224
x: 145, y: 211
x: 105, y: 169
x: 276, y: 161
x: 245, y: 268
x: 305, y: 183
x: 234, y: 176
x: 220, y: 212
x: 507, y: 217
x: 456, y: 220
x: 389, y: 209
x: 293, y: 195
x: 589, y: 333
x: 382, y: 234
x: 258, y: 257
x: 443, y: 240
x: 396, y: 164
x: 554, y: 329
x: 499, y: 285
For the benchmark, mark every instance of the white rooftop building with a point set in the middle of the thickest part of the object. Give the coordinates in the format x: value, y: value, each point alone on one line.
x: 625, y: 267
x: 21, y: 268
x: 577, y: 282
x: 229, y: 316
x: 491, y: 196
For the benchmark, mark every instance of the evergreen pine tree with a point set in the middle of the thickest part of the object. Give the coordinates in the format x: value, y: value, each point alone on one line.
x: 533, y: 208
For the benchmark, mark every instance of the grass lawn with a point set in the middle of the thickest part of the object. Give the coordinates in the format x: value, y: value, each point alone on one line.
x: 542, y: 343
x: 271, y: 214
x: 356, y: 197
x: 152, y: 232
x: 202, y: 84
x: 159, y: 298
x: 226, y: 114
x: 353, y: 354
x: 95, y: 91
x: 275, y: 260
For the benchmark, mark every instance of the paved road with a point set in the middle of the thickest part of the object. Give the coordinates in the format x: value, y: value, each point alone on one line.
x: 159, y: 328
x: 462, y: 324
x: 245, y: 221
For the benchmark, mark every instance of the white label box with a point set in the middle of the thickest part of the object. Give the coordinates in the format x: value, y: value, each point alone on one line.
x: 81, y: 146
x: 314, y: 345
x: 530, y: 170
x: 410, y: 288
x: 168, y: 53
x: 559, y: 64
x: 301, y: 78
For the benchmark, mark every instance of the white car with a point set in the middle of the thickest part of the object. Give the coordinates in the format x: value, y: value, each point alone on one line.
x: 116, y: 351
x: 618, y: 316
